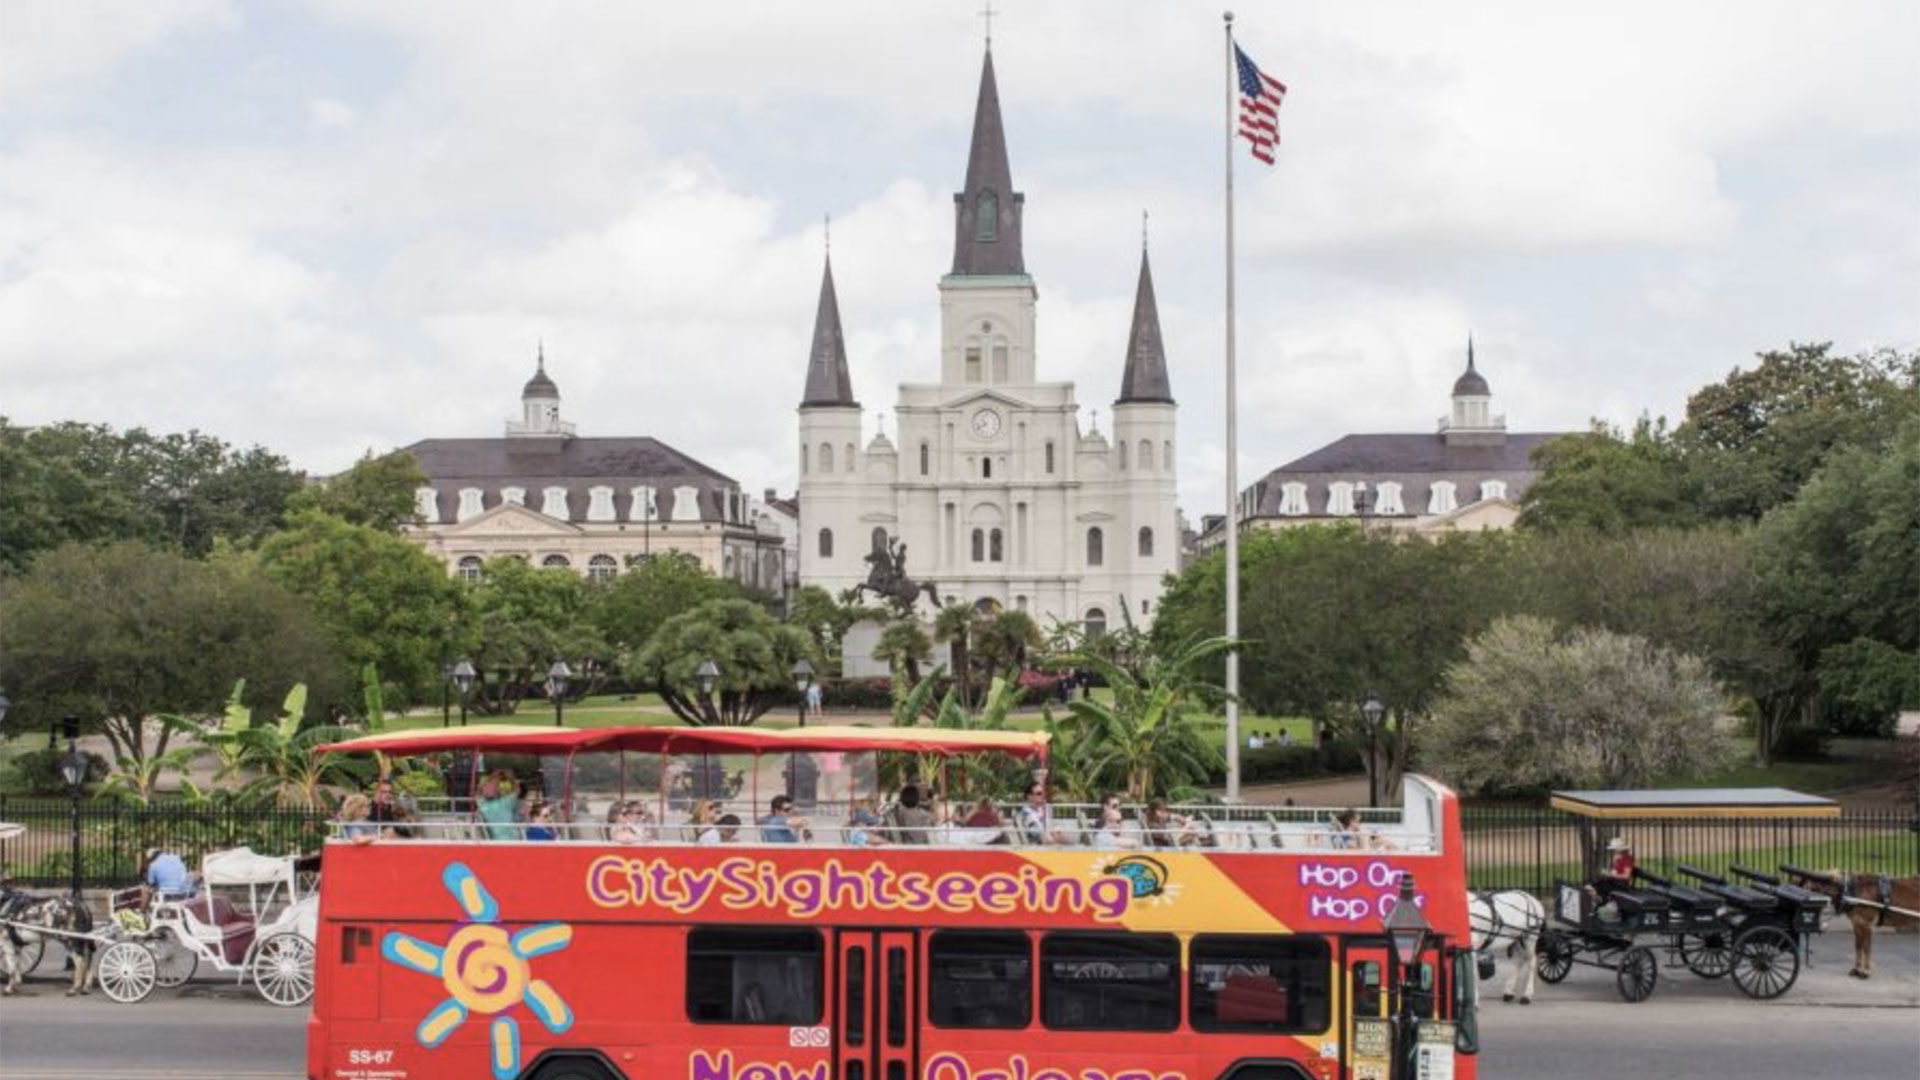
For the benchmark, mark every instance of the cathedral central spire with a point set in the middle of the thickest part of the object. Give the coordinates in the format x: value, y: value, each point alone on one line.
x: 1145, y: 379
x: 986, y: 236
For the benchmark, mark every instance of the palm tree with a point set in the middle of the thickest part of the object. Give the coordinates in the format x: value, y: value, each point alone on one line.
x: 1003, y: 642
x: 955, y: 626
x: 1142, y: 738
x: 903, y: 645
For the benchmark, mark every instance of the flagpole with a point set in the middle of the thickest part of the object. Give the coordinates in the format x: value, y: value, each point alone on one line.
x: 1233, y: 483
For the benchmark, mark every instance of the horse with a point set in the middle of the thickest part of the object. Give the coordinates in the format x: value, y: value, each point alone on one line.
x: 23, y: 911
x: 1868, y: 901
x: 1513, y: 916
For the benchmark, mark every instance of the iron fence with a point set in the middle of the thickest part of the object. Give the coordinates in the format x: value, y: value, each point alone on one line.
x: 1530, y: 847
x: 113, y: 837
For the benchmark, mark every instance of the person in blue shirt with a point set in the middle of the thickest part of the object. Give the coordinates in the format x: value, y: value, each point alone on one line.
x: 164, y: 876
x: 540, y: 822
x: 780, y: 827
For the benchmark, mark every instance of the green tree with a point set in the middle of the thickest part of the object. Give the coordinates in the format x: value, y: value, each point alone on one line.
x: 1610, y: 481
x: 632, y: 606
x: 1754, y: 438
x: 122, y: 634
x: 1532, y: 707
x: 1144, y: 738
x: 904, y: 645
x: 1003, y: 641
x: 523, y: 619
x: 754, y: 652
x: 1841, y: 567
x: 282, y: 753
x: 826, y: 620
x: 955, y: 626
x: 86, y: 482
x: 377, y: 492
x: 383, y: 600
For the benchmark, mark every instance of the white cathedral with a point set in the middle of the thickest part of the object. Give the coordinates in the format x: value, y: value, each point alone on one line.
x: 1000, y: 496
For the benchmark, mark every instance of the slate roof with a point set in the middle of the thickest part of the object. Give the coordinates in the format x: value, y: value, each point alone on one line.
x: 988, y: 171
x: 1415, y: 462
x: 1145, y: 379
x: 828, y: 380
x: 576, y: 464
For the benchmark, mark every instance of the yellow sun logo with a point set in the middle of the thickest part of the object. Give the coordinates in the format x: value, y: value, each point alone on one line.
x: 486, y: 971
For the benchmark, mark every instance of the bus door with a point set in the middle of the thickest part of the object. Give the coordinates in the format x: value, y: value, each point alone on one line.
x: 877, y: 1033
x: 1367, y: 977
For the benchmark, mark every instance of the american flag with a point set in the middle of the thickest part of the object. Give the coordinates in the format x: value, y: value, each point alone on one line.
x: 1260, y: 97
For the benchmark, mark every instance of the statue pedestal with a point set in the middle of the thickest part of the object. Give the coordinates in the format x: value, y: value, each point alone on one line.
x: 856, y: 652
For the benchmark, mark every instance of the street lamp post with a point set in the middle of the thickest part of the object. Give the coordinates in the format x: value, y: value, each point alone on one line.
x: 708, y: 676
x: 557, y: 677
x: 463, y: 676
x: 446, y: 694
x: 802, y: 680
x: 1373, y: 711
x: 73, y: 769
x: 1407, y: 928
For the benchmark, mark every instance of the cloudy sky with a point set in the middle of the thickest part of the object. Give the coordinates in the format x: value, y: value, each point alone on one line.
x: 330, y: 227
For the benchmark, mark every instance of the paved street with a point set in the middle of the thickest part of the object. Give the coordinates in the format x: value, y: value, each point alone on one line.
x: 1828, y: 1025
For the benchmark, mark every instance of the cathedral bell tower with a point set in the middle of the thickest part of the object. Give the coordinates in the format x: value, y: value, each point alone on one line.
x: 829, y: 442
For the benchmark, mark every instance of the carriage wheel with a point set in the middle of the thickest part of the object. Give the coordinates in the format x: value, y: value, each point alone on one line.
x: 282, y: 969
x: 1765, y: 962
x: 1555, y: 958
x: 127, y: 971
x: 30, y: 955
x: 1706, y: 955
x: 1638, y: 973
x: 174, y: 964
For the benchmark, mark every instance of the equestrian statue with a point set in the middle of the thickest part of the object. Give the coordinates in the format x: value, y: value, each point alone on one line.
x: 887, y: 578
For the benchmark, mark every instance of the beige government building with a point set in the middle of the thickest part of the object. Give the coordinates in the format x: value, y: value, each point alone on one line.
x: 545, y: 494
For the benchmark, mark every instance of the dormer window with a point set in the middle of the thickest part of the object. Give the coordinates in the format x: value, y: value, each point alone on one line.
x: 600, y: 504
x: 1389, y: 498
x: 553, y: 502
x: 1339, y: 498
x: 643, y: 507
x: 686, y: 503
x: 469, y: 504
x: 513, y: 496
x: 1293, y: 498
x: 1493, y: 489
x: 1440, y: 498
x: 426, y: 505
x: 986, y: 217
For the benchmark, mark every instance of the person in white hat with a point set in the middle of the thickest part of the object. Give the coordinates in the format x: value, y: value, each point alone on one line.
x: 1620, y: 861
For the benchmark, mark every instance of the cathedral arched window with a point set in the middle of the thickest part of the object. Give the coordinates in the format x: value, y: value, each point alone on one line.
x: 986, y: 468
x: 1166, y: 455
x: 973, y: 363
x: 1096, y: 547
x: 555, y: 562
x: 602, y: 569
x: 999, y: 363
x: 803, y: 459
x: 879, y: 538
x: 1146, y: 542
x: 1096, y: 623
x: 986, y: 216
x: 826, y: 457
x: 849, y: 460
x: 826, y: 543
x: 469, y: 568
x: 1121, y: 444
x: 979, y: 549
x: 1049, y: 457
x: 996, y: 547
x: 1145, y: 459
x: 926, y: 457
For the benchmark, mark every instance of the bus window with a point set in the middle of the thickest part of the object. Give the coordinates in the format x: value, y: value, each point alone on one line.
x: 856, y: 996
x: 980, y: 979
x: 896, y: 996
x: 1110, y: 982
x: 1259, y: 983
x: 1420, y: 992
x: 1367, y: 997
x: 753, y: 975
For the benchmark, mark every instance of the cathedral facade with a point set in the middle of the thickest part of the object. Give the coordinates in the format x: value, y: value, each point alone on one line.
x: 1000, y: 494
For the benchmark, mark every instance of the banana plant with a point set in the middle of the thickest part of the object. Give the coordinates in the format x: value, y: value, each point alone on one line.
x: 291, y: 773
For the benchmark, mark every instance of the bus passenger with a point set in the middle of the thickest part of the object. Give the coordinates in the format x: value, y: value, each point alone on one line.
x: 389, y: 812
x: 497, y: 805
x: 728, y: 827
x: 1166, y: 828
x: 1036, y: 818
x: 624, y: 823
x: 863, y: 823
x: 705, y: 822
x: 780, y: 826
x: 353, y: 817
x: 540, y: 822
x: 1346, y: 829
x: 913, y: 823
x: 1109, y: 834
x: 984, y: 816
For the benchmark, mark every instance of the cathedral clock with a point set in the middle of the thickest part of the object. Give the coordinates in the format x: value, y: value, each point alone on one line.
x: 986, y: 424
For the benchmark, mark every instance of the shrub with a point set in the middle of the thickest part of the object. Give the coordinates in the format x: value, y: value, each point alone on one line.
x: 37, y: 772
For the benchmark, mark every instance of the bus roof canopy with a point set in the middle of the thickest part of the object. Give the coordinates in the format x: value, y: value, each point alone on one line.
x: 525, y: 739
x: 1770, y: 802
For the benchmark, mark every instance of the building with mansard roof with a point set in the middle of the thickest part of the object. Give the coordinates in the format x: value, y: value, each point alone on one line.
x: 1467, y: 476
x: 1003, y: 495
x: 547, y: 495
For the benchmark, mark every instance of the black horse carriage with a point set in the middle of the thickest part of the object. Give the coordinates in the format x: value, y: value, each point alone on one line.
x: 1753, y: 929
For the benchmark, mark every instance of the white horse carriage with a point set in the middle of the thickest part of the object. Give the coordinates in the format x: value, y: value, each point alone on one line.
x: 268, y: 941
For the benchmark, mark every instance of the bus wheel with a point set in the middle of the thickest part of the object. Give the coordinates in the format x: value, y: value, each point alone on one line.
x: 573, y: 1068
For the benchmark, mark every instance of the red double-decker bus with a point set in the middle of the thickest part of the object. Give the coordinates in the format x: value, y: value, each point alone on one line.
x: 643, y: 931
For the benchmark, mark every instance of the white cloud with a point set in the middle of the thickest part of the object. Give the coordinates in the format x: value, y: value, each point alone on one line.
x: 327, y: 114
x: 48, y: 45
